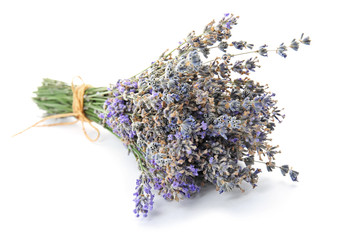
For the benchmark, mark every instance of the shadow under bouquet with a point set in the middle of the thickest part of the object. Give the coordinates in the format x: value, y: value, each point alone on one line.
x: 188, y: 119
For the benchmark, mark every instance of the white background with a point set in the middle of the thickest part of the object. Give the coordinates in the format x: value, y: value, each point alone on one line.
x: 55, y: 184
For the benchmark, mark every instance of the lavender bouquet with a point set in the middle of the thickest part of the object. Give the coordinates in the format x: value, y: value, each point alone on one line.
x: 187, y: 120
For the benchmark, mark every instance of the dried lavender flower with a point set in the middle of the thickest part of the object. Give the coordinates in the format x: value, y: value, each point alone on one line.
x: 263, y: 51
x: 293, y: 175
x: 284, y: 169
x: 223, y: 46
x: 294, y: 45
x: 281, y: 50
x: 305, y: 40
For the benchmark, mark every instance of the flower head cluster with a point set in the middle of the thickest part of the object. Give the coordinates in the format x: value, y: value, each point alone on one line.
x: 188, y: 121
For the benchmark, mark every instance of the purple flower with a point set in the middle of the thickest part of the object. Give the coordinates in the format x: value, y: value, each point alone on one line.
x: 126, y: 82
x: 194, y: 188
x: 134, y: 84
x: 121, y: 89
x: 170, y: 137
x: 132, y: 134
x: 294, y: 175
x: 124, y: 119
x: 228, y: 25
x: 203, y: 125
x: 167, y: 195
x: 284, y: 169
x: 178, y: 135
x: 175, y: 184
x: 193, y: 170
x: 294, y: 45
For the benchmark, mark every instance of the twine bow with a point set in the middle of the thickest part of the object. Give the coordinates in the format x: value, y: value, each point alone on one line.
x: 78, y: 112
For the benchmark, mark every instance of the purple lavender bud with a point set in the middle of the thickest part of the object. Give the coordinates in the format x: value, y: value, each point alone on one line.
x: 294, y: 175
x: 178, y: 135
x: 228, y: 25
x: 193, y: 170
x: 121, y: 89
x: 284, y: 169
x: 294, y: 45
x: 203, y: 125
x: 263, y: 51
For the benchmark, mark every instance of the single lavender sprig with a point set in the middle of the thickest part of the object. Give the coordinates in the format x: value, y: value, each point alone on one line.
x: 144, y: 198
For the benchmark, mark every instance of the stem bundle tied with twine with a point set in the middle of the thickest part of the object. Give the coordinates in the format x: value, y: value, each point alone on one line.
x: 77, y: 112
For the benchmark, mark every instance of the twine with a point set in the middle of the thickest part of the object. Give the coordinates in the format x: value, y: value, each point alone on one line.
x: 78, y: 112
